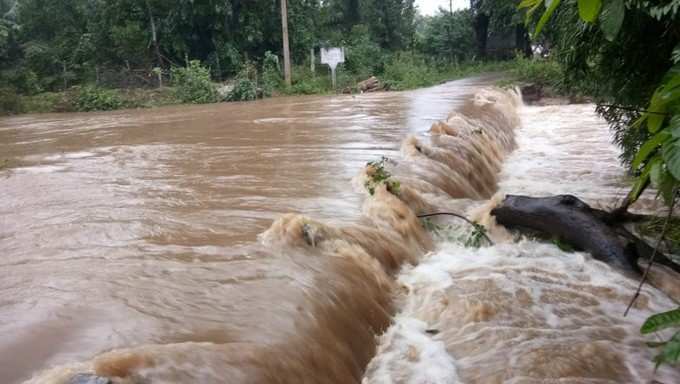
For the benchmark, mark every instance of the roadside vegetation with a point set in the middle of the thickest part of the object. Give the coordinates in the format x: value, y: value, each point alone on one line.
x: 86, y: 55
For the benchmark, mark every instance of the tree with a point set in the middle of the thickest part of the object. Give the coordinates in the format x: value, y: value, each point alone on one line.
x: 390, y: 22
x: 449, y: 35
x: 498, y: 17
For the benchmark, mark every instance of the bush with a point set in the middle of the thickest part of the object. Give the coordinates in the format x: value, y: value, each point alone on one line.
x: 543, y: 72
x: 244, y: 90
x: 10, y: 101
x: 97, y: 99
x: 405, y: 71
x: 364, y: 57
x: 245, y: 87
x: 271, y: 73
x: 49, y: 102
x: 193, y: 84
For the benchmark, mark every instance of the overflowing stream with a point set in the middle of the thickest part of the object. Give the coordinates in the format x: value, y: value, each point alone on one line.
x: 250, y: 243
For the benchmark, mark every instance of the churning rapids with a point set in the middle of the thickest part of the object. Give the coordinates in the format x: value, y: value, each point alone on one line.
x: 130, y: 245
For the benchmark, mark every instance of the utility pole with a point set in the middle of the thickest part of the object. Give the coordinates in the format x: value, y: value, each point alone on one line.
x: 448, y: 31
x: 286, y: 49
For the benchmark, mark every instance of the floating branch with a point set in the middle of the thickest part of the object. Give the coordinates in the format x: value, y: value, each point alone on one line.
x: 478, y: 228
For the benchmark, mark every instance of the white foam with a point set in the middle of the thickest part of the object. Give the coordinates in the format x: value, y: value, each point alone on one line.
x: 409, y: 355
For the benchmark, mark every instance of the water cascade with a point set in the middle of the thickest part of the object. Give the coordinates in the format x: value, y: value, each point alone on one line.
x: 385, y: 300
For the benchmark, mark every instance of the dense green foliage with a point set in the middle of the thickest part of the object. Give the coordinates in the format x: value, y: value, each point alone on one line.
x: 193, y: 84
x: 97, y: 99
x: 448, y: 36
x: 51, y: 46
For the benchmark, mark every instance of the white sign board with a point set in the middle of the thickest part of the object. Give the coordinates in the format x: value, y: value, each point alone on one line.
x: 332, y: 57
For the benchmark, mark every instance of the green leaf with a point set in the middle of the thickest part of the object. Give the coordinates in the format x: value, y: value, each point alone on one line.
x: 671, y: 155
x: 589, y: 9
x: 641, y: 182
x: 546, y: 16
x: 671, y: 90
x: 667, y: 186
x: 670, y: 353
x: 674, y: 126
x: 661, y: 321
x: 656, y: 112
x: 657, y: 173
x: 650, y: 146
x: 530, y: 13
x: 529, y: 3
x: 656, y: 344
x: 611, y: 18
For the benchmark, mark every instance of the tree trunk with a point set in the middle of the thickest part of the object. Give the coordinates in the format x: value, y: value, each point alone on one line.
x: 522, y: 41
x: 286, y: 48
x: 481, y: 25
x: 154, y: 36
x: 598, y: 232
x: 448, y: 31
x: 64, y: 73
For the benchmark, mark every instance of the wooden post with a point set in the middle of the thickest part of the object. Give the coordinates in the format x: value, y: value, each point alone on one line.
x: 312, y: 59
x: 333, y: 77
x: 64, y: 68
x: 286, y: 49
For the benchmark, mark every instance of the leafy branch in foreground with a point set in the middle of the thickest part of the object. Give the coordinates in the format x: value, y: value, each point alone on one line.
x: 670, y: 349
x: 657, y: 160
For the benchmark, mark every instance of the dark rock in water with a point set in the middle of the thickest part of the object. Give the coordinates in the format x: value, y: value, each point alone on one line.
x: 88, y: 378
x: 531, y: 93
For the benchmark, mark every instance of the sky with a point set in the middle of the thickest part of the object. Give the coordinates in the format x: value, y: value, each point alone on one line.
x: 429, y: 7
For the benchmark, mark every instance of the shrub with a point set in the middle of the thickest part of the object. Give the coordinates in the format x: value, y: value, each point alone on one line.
x: 10, y: 101
x: 543, y: 72
x: 364, y: 57
x: 405, y: 71
x: 48, y: 102
x: 193, y: 84
x: 244, y: 90
x: 271, y: 73
x: 245, y: 87
x: 307, y: 83
x: 97, y: 99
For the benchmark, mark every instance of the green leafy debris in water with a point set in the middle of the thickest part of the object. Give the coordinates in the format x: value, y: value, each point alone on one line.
x: 472, y: 237
x: 377, y: 174
x: 477, y: 237
x: 562, y: 245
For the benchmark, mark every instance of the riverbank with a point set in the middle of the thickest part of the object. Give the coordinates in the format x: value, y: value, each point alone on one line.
x: 404, y: 75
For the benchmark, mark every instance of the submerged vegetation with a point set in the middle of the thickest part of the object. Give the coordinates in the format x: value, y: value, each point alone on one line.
x: 378, y: 175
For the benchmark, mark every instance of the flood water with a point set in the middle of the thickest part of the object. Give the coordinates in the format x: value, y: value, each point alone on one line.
x: 235, y: 243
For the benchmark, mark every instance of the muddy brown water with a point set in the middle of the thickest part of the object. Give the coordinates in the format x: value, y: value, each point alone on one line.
x: 137, y: 227
x: 237, y: 243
